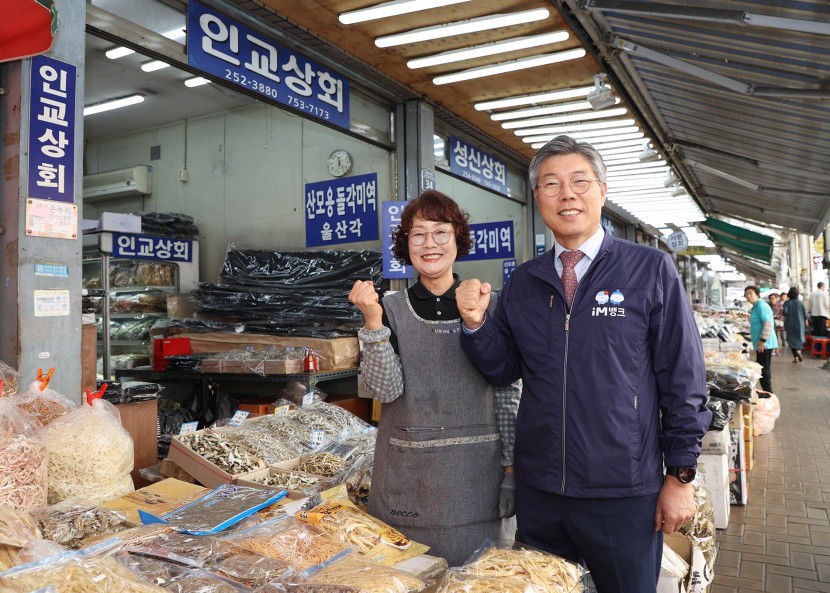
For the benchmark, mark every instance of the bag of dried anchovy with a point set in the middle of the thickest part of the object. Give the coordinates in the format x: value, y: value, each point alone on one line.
x: 191, y: 550
x: 219, y: 509
x: 204, y: 581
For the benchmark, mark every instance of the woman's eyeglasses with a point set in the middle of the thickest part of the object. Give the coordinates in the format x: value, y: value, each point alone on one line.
x: 441, y: 237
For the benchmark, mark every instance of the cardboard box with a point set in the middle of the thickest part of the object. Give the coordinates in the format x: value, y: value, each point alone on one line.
x: 714, y: 471
x: 180, y: 306
x: 699, y: 576
x: 203, y: 471
x: 158, y: 499
x: 738, y: 471
x: 119, y: 223
x: 715, y: 442
x: 737, y: 422
x: 333, y: 354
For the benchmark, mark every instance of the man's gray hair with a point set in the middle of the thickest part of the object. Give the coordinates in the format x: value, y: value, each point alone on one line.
x: 562, y: 145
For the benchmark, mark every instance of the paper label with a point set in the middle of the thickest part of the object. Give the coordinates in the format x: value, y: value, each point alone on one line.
x: 48, y: 218
x: 238, y: 418
x: 281, y: 411
x: 308, y: 399
x: 188, y: 427
x: 317, y: 438
x: 51, y: 303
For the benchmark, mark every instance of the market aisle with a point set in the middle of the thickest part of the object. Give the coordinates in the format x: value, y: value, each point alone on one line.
x: 780, y: 541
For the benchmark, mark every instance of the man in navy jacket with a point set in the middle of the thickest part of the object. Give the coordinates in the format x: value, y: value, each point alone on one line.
x: 603, y: 336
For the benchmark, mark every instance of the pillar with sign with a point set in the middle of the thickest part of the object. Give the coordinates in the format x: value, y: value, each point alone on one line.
x: 40, y: 203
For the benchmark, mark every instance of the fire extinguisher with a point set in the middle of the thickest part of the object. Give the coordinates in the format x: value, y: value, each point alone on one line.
x: 310, y: 362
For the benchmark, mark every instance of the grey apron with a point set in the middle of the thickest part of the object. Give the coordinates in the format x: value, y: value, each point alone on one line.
x: 437, y: 467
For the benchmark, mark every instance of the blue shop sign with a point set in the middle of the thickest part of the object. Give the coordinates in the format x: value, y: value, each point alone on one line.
x: 390, y: 220
x: 225, y: 48
x: 479, y: 167
x: 52, y: 130
x: 491, y: 240
x: 341, y: 210
x: 129, y: 246
x: 607, y: 224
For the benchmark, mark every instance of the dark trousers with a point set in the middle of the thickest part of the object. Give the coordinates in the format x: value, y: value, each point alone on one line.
x: 614, y: 536
x: 764, y: 359
x: 819, y: 326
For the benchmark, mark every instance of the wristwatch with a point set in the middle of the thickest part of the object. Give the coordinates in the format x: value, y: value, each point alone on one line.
x: 683, y: 474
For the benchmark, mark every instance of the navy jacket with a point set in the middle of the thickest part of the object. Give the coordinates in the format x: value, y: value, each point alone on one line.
x: 614, y: 387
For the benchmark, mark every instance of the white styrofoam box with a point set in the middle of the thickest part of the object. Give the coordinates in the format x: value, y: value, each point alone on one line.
x: 119, y: 223
x: 714, y: 471
x: 715, y: 442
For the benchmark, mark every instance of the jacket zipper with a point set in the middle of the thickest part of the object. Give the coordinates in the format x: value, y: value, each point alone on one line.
x: 565, y: 370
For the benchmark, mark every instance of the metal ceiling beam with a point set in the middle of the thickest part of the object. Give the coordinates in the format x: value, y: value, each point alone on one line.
x: 712, y: 15
x: 713, y: 77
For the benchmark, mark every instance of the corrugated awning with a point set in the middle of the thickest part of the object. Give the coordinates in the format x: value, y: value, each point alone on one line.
x: 742, y: 242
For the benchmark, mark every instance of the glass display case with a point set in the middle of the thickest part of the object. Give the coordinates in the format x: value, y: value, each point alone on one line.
x: 130, y: 297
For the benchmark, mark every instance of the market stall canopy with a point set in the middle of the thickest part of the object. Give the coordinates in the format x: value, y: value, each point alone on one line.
x: 736, y: 95
x: 740, y: 241
x: 27, y: 28
x: 750, y: 267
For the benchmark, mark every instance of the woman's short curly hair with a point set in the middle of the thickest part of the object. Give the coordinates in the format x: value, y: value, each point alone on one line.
x: 435, y: 206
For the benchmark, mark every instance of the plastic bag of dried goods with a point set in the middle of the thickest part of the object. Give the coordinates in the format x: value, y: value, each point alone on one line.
x: 42, y: 403
x: 70, y: 525
x: 357, y: 571
x: 23, y: 459
x: 98, y: 470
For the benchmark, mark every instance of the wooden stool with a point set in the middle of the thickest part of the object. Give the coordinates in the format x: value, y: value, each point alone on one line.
x: 820, y: 348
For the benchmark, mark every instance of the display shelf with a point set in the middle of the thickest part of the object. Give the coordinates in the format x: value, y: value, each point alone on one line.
x: 142, y: 288
x: 310, y: 379
x: 136, y: 316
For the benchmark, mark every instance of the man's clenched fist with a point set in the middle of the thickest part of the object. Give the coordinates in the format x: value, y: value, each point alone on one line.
x: 365, y: 297
x: 472, y: 298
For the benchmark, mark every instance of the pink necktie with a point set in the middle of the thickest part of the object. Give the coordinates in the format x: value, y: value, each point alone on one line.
x: 569, y: 259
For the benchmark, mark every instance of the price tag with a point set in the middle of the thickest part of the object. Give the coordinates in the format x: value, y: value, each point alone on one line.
x: 317, y: 438
x: 281, y: 411
x: 238, y: 418
x: 188, y: 427
x: 308, y: 399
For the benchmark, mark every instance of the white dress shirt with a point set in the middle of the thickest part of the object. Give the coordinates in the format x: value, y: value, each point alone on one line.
x: 590, y: 248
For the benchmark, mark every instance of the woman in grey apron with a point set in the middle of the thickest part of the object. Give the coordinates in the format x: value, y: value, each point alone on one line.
x: 443, y: 460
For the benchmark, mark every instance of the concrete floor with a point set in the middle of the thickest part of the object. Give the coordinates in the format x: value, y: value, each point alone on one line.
x: 780, y: 541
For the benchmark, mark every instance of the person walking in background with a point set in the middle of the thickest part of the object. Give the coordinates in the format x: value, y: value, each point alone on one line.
x: 782, y: 298
x: 778, y: 318
x: 818, y: 305
x: 795, y: 318
x: 763, y: 336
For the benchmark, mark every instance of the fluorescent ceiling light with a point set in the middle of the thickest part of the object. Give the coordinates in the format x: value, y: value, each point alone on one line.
x: 485, y: 23
x: 196, y: 81
x: 537, y: 142
x: 723, y: 175
x: 611, y: 125
x: 114, y: 104
x: 536, y: 98
x: 628, y: 133
x: 395, y: 8
x: 626, y: 144
x: 623, y: 159
x: 511, y: 66
x: 637, y: 167
x: 489, y: 49
x: 545, y: 110
x: 562, y: 119
x: 616, y: 153
x: 154, y: 65
x: 118, y: 52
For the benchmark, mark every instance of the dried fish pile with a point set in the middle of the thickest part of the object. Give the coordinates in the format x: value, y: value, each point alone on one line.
x: 222, y: 452
x: 251, y: 569
x: 284, y: 429
x: 268, y: 446
x: 322, y: 464
x: 69, y: 527
x: 23, y: 472
x: 17, y: 529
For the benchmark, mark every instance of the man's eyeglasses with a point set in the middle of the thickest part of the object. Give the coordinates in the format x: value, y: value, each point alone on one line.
x: 441, y: 237
x: 579, y: 185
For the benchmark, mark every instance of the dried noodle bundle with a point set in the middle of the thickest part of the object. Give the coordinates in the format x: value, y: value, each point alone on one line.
x: 555, y: 574
x: 100, y: 574
x: 303, y: 546
x: 367, y: 577
x: 457, y: 582
x: 90, y: 454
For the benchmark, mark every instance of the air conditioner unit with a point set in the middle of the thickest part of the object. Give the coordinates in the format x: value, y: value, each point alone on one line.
x: 121, y: 183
